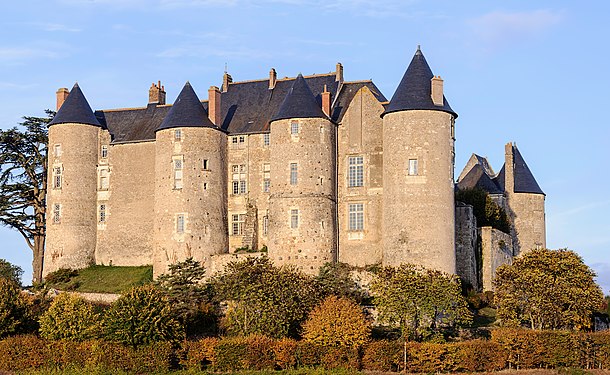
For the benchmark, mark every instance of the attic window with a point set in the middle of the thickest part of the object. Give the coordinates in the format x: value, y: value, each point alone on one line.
x: 177, y: 135
x: 294, y: 128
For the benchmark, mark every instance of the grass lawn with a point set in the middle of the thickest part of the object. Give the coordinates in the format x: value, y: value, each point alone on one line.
x: 105, y: 279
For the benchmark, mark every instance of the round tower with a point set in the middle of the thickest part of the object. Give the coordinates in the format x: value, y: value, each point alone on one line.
x: 72, y: 185
x: 302, y: 203
x: 418, y: 162
x: 190, y: 185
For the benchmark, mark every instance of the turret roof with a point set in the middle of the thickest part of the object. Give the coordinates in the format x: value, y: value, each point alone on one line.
x: 75, y: 109
x: 299, y: 103
x: 524, y: 179
x: 415, y: 89
x: 187, y: 111
x: 477, y: 177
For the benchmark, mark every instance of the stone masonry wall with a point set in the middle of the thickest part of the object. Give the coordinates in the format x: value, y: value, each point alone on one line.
x: 466, y: 248
x: 71, y: 240
x: 125, y: 237
x: 418, y: 210
x: 527, y: 213
x: 496, y: 249
x: 361, y: 134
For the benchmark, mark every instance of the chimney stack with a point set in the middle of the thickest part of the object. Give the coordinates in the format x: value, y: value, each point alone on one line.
x: 62, y: 94
x: 437, y: 90
x: 226, y: 79
x: 272, y: 79
x: 214, y: 105
x: 326, y: 102
x: 156, y: 94
x: 339, y: 73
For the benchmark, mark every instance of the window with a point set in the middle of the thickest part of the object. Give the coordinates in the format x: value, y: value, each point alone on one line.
x: 412, y: 167
x: 266, y: 177
x: 238, y: 141
x: 178, y: 172
x: 102, y: 213
x: 104, y: 152
x: 56, y: 213
x: 239, y: 179
x: 237, y: 224
x: 180, y: 223
x: 355, y: 171
x: 242, y: 139
x: 177, y: 135
x: 265, y: 225
x: 356, y: 216
x: 57, y: 177
x: 234, y: 141
x: 104, y: 179
x: 294, y: 128
x: 266, y: 139
x: 206, y: 164
x: 57, y: 150
x: 294, y: 218
x: 205, y: 186
x: 294, y: 173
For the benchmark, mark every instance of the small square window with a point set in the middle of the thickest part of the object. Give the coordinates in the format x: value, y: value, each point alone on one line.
x: 294, y: 219
x: 266, y: 139
x: 206, y: 164
x: 102, y: 213
x: 205, y: 186
x: 413, y: 167
x: 294, y: 128
x: 356, y: 216
x: 242, y: 139
x: 57, y: 150
x: 266, y: 185
x: 104, y: 152
x: 234, y: 140
x: 56, y: 213
x: 180, y: 224
x: 57, y: 178
x: 294, y: 173
x: 177, y: 135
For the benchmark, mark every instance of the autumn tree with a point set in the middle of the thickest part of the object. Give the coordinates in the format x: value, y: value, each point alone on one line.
x: 15, y: 309
x: 10, y: 271
x: 337, y: 321
x: 264, y: 299
x: 70, y: 317
x: 547, y: 289
x: 419, y: 301
x: 23, y: 182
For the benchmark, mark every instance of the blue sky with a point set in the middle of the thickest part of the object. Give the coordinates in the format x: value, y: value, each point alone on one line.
x: 530, y: 72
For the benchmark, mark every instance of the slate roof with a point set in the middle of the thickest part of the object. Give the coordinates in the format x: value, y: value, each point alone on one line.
x: 415, y: 89
x: 246, y: 107
x: 477, y: 177
x: 75, y: 109
x: 524, y: 179
x: 187, y: 111
x: 299, y: 103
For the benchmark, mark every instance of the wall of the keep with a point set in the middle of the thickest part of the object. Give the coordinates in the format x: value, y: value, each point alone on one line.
x: 126, y: 236
x: 496, y: 249
x: 361, y: 134
x: 528, y: 215
x: 466, y: 248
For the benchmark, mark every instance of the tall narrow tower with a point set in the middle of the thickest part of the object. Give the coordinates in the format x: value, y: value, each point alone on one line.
x: 302, y: 204
x: 72, y: 185
x: 418, y: 161
x: 190, y: 185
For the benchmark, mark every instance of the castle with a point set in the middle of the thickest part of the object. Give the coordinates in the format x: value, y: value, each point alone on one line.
x: 310, y: 169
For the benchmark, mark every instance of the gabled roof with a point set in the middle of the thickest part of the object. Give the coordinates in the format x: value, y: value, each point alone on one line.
x: 477, y: 177
x: 75, y: 110
x: 299, y: 103
x: 187, y: 111
x: 415, y: 89
x: 524, y: 179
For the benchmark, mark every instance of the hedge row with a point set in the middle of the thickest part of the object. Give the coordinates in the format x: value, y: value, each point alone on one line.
x: 508, y: 348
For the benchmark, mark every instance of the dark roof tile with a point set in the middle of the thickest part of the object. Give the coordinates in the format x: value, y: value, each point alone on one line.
x: 75, y: 109
x: 524, y: 179
x: 187, y: 111
x: 299, y: 103
x: 478, y: 178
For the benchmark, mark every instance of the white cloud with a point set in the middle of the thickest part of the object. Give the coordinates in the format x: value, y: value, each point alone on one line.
x: 500, y: 27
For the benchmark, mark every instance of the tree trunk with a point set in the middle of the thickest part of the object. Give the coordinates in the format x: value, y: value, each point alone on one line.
x: 38, y: 261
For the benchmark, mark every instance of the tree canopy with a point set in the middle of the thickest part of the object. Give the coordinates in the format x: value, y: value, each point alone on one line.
x: 420, y: 301
x: 487, y: 212
x: 23, y: 182
x: 10, y: 271
x: 547, y: 289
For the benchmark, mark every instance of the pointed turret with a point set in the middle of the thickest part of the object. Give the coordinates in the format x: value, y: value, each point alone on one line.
x: 187, y: 112
x: 415, y: 89
x: 524, y: 179
x: 75, y: 110
x: 299, y: 103
x: 478, y: 178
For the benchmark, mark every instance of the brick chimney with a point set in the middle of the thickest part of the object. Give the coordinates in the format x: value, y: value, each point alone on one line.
x: 437, y: 90
x: 226, y: 79
x: 214, y: 105
x: 156, y: 94
x: 272, y: 79
x: 326, y: 102
x: 62, y: 94
x: 339, y: 73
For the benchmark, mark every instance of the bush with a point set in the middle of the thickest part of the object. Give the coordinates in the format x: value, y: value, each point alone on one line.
x: 141, y: 316
x: 69, y: 317
x: 198, y: 355
x: 15, y: 314
x: 383, y: 355
x: 337, y: 322
x: 487, y: 212
x: 62, y: 275
x: 10, y: 271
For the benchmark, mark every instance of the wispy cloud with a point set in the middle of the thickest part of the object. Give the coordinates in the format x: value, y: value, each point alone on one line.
x: 20, y: 54
x: 499, y: 27
x: 16, y: 86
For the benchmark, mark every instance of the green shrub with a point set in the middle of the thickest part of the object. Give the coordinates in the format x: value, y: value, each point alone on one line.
x: 285, y: 352
x: 230, y: 354
x: 15, y: 309
x: 62, y: 275
x: 141, y: 316
x: 198, y: 355
x: 383, y: 355
x: 10, y: 271
x: 487, y: 212
x: 69, y: 317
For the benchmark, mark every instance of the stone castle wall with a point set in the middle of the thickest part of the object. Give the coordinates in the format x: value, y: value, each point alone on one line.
x: 528, y: 216
x: 466, y: 245
x: 496, y: 249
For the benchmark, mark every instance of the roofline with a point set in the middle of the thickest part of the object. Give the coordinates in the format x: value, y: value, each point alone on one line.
x: 417, y: 109
x: 283, y: 79
x: 131, y: 142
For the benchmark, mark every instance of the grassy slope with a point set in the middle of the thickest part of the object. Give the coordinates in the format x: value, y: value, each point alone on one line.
x: 107, y: 279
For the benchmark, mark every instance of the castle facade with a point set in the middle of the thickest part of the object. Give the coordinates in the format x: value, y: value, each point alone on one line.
x: 309, y: 169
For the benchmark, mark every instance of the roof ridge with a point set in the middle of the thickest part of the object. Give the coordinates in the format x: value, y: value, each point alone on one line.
x: 282, y: 79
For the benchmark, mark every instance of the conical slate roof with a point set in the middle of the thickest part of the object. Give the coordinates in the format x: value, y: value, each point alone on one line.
x: 524, y: 179
x: 187, y: 111
x: 415, y: 89
x: 75, y: 109
x: 299, y: 103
